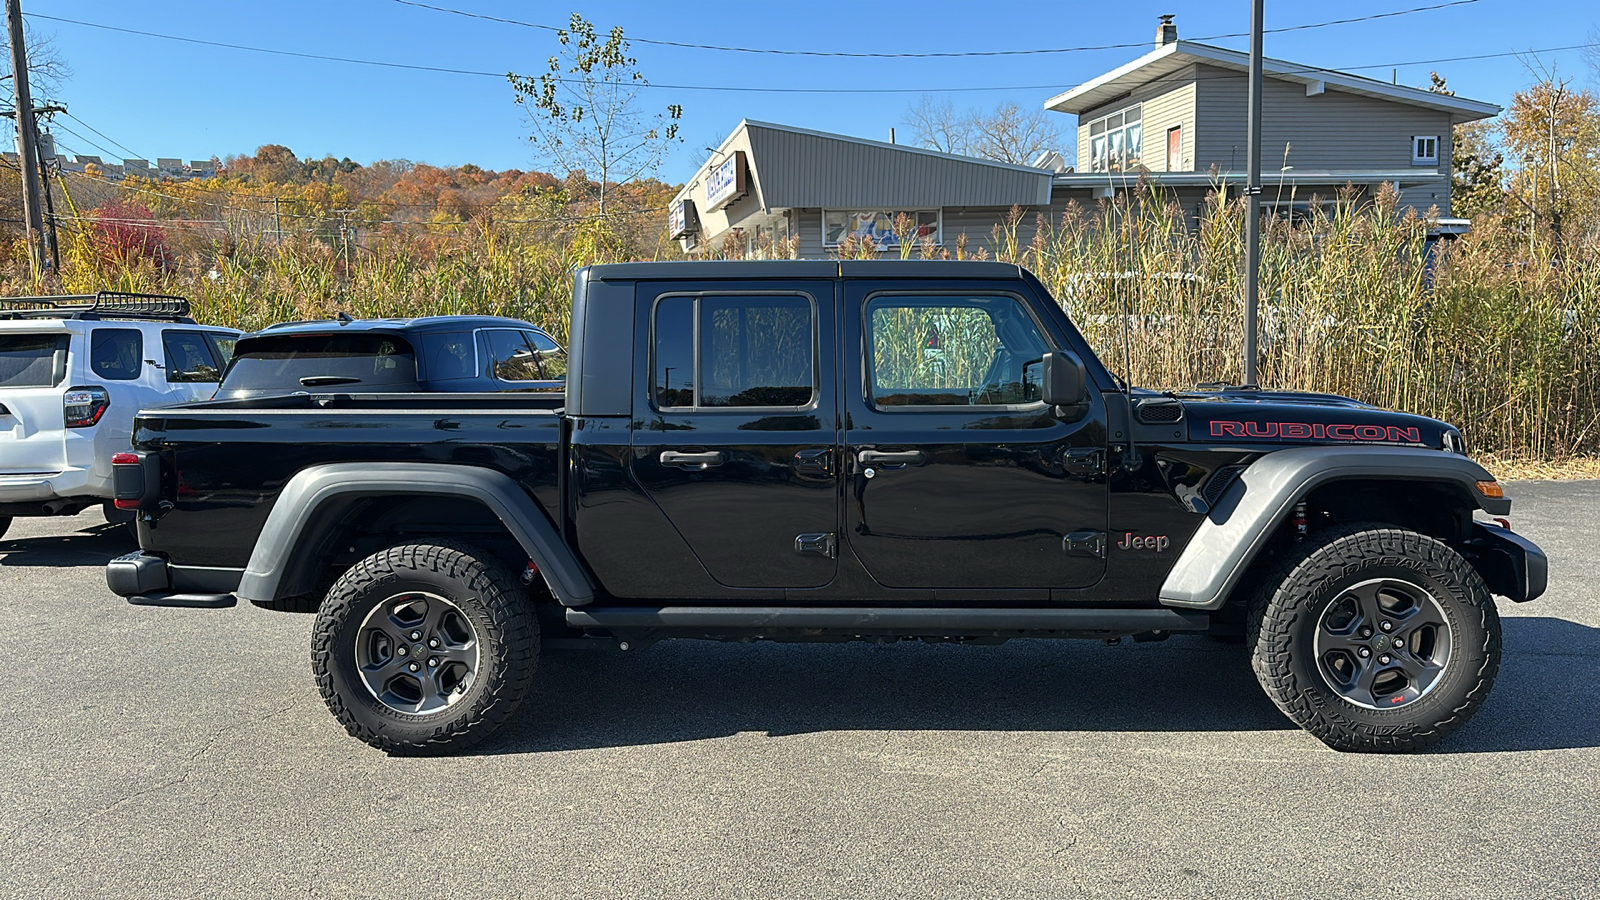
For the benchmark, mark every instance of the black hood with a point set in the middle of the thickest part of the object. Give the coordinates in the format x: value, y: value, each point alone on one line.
x: 1240, y: 416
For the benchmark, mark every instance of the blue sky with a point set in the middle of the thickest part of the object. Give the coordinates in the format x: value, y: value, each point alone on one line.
x: 162, y: 98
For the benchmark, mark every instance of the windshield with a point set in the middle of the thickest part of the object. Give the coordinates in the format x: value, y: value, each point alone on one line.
x: 321, y: 362
x: 33, y: 360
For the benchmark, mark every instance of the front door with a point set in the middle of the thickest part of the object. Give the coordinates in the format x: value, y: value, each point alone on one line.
x: 959, y: 476
x: 736, y: 436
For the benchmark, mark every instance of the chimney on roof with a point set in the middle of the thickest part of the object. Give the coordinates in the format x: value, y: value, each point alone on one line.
x: 1166, y: 32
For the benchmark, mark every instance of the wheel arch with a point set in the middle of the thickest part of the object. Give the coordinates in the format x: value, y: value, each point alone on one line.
x: 1239, y: 529
x: 318, y: 504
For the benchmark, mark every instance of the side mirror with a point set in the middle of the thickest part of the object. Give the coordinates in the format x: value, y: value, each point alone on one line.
x: 1066, y: 380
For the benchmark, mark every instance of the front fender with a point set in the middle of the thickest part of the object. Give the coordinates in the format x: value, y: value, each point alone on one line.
x: 1261, y: 499
x: 310, y: 490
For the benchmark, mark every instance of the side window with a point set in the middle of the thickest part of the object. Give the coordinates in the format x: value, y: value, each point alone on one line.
x: 552, y: 359
x: 116, y: 353
x: 734, y: 351
x: 189, y: 357
x: 953, y: 351
x: 451, y: 355
x: 222, y: 344
x: 510, y: 357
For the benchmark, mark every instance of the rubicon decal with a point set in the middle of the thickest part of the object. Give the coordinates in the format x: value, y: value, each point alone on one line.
x: 1156, y: 542
x: 1317, y: 431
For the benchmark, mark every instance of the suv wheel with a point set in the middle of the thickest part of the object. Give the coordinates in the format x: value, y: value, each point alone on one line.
x: 1374, y: 638
x: 424, y: 649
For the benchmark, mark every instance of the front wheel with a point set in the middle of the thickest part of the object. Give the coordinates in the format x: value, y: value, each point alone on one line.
x: 424, y: 649
x: 1375, y: 639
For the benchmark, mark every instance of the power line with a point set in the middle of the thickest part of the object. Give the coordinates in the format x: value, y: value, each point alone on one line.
x: 929, y: 55
x: 751, y: 89
x: 113, y: 140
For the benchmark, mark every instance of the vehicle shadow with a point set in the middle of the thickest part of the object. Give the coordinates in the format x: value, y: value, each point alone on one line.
x: 693, y: 690
x: 93, y: 545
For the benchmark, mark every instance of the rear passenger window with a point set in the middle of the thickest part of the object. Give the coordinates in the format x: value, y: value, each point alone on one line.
x: 189, y: 357
x: 451, y: 355
x: 116, y: 353
x: 734, y: 351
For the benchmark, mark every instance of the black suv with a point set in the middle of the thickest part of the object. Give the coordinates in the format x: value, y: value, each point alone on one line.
x: 467, y: 354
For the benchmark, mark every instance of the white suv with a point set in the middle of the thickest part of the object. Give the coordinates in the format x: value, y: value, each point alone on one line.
x: 73, y: 372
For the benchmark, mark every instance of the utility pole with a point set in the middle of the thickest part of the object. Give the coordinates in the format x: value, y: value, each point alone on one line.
x: 1252, y: 191
x: 277, y: 219
x: 27, y: 139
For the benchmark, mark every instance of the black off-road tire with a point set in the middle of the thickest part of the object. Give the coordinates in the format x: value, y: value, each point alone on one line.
x: 1289, y: 605
x: 485, y: 595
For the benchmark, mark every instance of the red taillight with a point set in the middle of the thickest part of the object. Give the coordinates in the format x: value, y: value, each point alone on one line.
x: 124, y: 459
x: 84, y: 405
x: 126, y: 504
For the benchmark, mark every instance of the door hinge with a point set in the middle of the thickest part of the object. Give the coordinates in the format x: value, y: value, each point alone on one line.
x: 1092, y: 543
x: 819, y: 544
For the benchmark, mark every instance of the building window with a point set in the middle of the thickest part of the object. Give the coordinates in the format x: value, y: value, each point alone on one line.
x: 1175, y: 148
x: 879, y: 225
x: 1114, y: 141
x: 1425, y: 151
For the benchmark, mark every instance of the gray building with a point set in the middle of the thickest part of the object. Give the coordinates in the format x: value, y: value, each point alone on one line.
x: 1174, y: 118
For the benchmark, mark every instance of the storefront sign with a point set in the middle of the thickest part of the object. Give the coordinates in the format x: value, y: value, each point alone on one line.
x: 728, y: 181
x: 682, y: 219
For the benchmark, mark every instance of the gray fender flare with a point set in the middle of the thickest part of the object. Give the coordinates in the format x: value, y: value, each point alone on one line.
x: 1236, y: 529
x: 309, y: 491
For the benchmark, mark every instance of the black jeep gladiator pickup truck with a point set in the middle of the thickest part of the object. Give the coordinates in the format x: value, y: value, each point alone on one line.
x: 831, y: 451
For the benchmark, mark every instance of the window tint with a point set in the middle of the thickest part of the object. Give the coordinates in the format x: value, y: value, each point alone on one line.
x: 510, y: 357
x: 116, y: 353
x: 552, y: 359
x: 222, y: 343
x: 350, y: 362
x: 752, y: 351
x: 33, y: 360
x: 451, y: 355
x: 941, y: 351
x: 189, y: 357
x: 674, y: 352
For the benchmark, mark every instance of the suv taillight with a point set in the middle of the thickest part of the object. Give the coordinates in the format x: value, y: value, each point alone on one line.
x: 85, y: 405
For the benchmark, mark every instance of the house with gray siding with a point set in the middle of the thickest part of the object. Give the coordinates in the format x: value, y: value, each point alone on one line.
x: 1174, y: 119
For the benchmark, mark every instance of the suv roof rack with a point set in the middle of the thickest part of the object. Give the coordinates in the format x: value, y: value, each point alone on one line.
x: 102, y: 305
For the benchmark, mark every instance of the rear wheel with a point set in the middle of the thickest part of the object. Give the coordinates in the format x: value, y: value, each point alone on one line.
x: 1374, y: 638
x: 424, y: 649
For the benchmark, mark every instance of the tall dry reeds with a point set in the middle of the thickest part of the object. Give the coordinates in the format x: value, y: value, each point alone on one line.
x: 1487, y: 334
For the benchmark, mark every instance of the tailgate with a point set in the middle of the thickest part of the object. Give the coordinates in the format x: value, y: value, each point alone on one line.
x: 33, y: 371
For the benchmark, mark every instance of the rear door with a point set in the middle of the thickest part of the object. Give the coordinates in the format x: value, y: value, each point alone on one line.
x: 960, y: 477
x: 33, y: 378
x: 736, y: 428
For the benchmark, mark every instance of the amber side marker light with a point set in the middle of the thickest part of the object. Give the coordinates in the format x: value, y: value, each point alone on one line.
x: 1490, y: 489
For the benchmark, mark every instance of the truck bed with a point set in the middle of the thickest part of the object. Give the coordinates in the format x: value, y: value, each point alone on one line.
x: 231, y: 458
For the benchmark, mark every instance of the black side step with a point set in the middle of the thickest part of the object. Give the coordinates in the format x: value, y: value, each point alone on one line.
x: 891, y: 620
x: 191, y: 601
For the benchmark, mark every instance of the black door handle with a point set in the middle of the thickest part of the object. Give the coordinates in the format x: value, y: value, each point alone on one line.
x: 889, y: 457
x: 701, y: 460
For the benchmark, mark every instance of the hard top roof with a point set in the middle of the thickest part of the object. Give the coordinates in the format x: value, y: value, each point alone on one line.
x: 800, y: 268
x: 418, y: 325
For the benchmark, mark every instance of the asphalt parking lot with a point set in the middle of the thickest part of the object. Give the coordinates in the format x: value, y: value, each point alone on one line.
x: 176, y: 753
